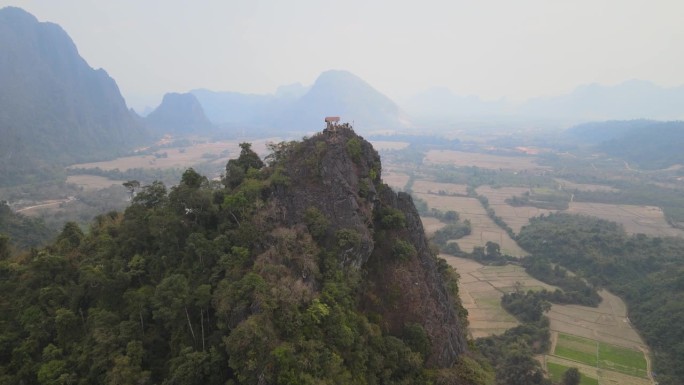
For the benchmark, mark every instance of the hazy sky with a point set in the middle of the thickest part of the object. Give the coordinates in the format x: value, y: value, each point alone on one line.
x: 490, y: 48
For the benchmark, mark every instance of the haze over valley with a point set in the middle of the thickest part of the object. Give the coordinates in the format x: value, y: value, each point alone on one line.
x: 261, y: 193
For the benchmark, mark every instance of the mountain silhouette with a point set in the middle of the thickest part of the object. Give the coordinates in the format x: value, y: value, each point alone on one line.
x: 54, y: 108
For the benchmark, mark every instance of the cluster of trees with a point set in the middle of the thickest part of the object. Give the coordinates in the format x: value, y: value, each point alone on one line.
x: 669, y: 199
x: 512, y: 353
x: 490, y: 211
x: 200, y: 284
x: 645, y: 271
x: 543, y: 199
x: 573, y: 289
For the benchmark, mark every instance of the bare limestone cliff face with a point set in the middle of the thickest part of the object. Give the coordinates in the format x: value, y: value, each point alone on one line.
x: 334, y: 185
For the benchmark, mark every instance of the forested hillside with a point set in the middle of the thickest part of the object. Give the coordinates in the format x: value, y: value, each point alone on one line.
x: 646, y: 143
x: 646, y: 272
x: 23, y: 232
x: 54, y: 108
x: 303, y: 270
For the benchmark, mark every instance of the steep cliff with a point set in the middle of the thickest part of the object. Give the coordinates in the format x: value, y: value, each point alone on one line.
x: 338, y: 174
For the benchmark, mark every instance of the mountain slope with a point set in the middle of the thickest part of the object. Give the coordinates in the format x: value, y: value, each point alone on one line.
x: 294, y: 107
x: 54, y: 108
x: 647, y: 143
x: 307, y: 270
x: 180, y: 114
x: 341, y: 93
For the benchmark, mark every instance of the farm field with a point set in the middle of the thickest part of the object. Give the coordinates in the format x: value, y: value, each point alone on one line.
x: 395, y: 179
x: 601, y: 338
x: 425, y: 186
x: 567, y: 185
x: 92, y: 182
x: 382, y: 145
x: 515, y: 217
x: 483, y: 228
x: 648, y: 220
x: 481, y: 288
x: 606, y: 323
x: 431, y: 225
x: 556, y: 371
x: 599, y: 341
x: 601, y: 355
x: 494, y: 162
x: 182, y: 157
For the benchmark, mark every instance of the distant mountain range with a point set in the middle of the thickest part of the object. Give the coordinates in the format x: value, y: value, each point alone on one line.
x: 54, y: 108
x: 646, y: 143
x: 178, y: 114
x: 299, y: 108
x: 296, y: 107
x: 634, y: 99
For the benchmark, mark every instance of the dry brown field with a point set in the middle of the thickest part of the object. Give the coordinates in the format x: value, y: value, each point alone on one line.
x: 431, y: 225
x: 181, y: 157
x: 425, y: 186
x: 607, y: 323
x: 481, y: 288
x: 92, y: 182
x: 482, y: 300
x: 381, y: 145
x: 396, y: 180
x: 494, y: 162
x: 567, y: 185
x: 483, y: 228
x: 648, y: 220
x: 515, y: 217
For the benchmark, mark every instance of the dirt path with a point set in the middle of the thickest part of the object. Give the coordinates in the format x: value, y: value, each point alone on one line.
x: 649, y: 371
x: 47, y: 203
x: 554, y: 341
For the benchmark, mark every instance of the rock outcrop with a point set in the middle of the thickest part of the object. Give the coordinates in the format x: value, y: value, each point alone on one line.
x: 338, y: 174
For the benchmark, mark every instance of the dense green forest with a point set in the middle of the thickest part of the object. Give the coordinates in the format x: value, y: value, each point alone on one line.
x: 23, y: 232
x: 645, y: 271
x: 209, y: 283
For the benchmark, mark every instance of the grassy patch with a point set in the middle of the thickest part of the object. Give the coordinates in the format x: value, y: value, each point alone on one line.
x: 576, y: 348
x: 556, y: 372
x: 623, y: 360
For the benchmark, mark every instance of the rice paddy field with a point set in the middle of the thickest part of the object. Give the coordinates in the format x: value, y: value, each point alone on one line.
x: 381, y: 145
x: 493, y: 162
x: 182, y: 157
x: 600, y: 342
x: 515, y: 217
x: 431, y: 225
x: 483, y: 228
x: 648, y: 220
x: 395, y: 179
x: 429, y: 187
x: 481, y: 288
x: 567, y: 185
